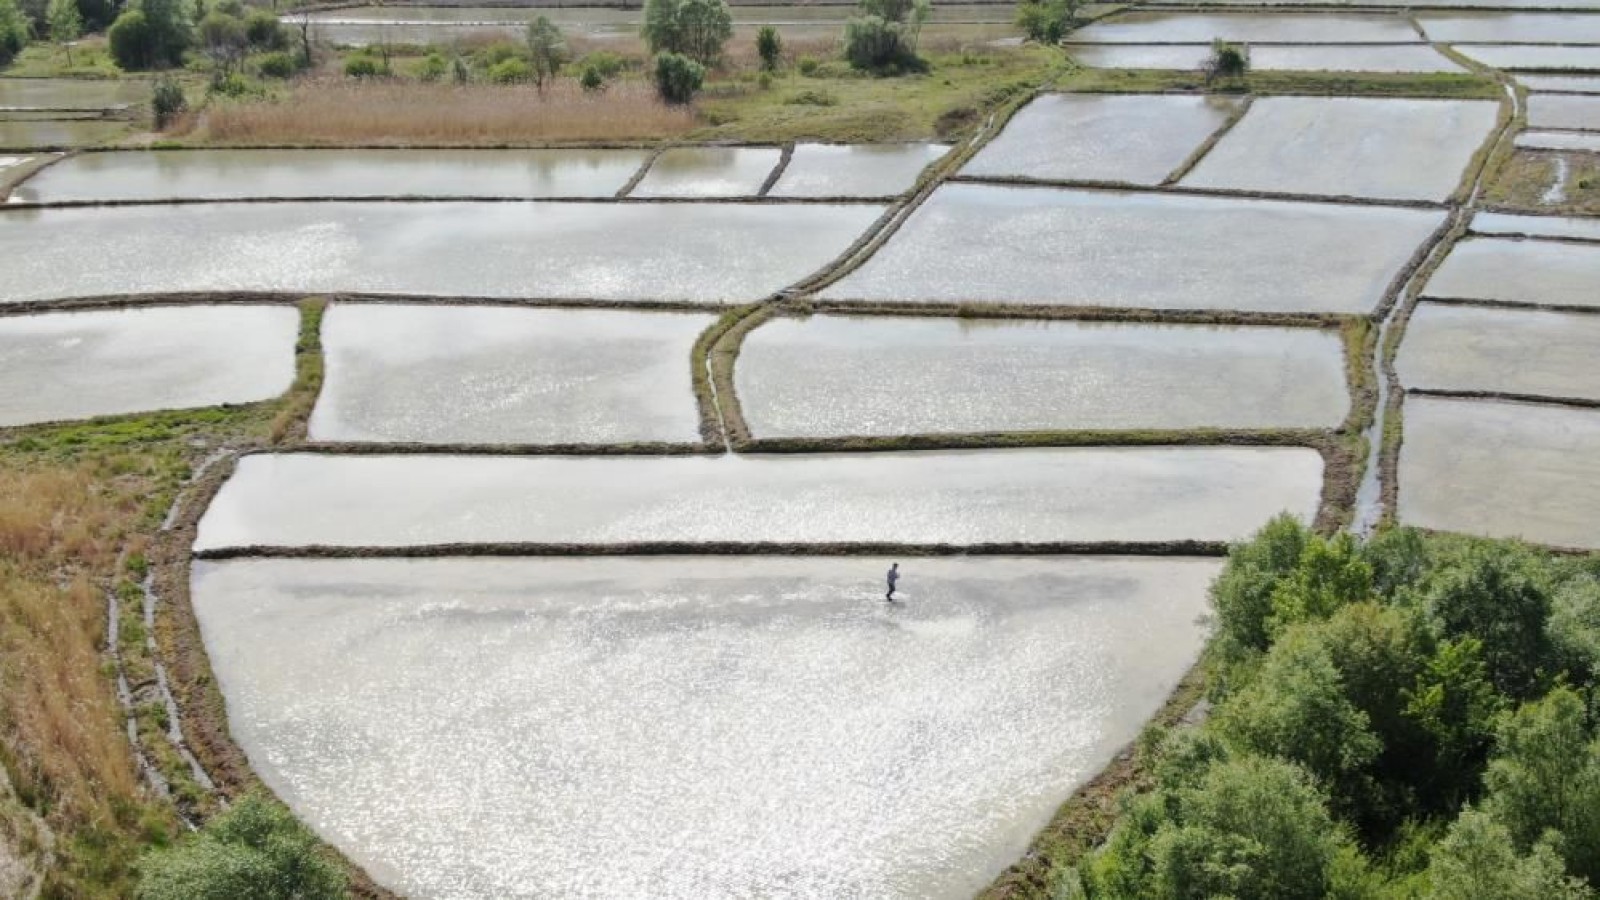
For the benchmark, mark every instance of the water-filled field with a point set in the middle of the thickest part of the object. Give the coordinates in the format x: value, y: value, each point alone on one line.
x: 70, y: 93
x: 855, y: 170
x: 1575, y: 84
x: 1520, y: 271
x: 709, y: 172
x: 1502, y: 470
x: 1547, y: 226
x: 473, y: 375
x: 79, y: 365
x: 1563, y: 111
x: 1249, y: 28
x: 1528, y: 56
x: 1128, y: 138
x: 1345, y: 146
x: 1560, y: 141
x: 1511, y: 351
x: 700, y: 252
x: 242, y: 174
x: 945, y: 497
x: 1511, y: 28
x: 690, y: 727
x: 44, y: 134
x: 979, y: 243
x: 1299, y: 58
x: 836, y: 375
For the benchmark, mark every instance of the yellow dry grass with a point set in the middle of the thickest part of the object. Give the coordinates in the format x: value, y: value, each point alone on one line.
x: 345, y: 112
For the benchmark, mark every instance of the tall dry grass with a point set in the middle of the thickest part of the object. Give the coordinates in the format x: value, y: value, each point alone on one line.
x: 342, y: 112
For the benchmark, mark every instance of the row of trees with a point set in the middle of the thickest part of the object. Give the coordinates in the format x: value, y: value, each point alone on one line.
x: 1412, y: 716
x: 63, y: 20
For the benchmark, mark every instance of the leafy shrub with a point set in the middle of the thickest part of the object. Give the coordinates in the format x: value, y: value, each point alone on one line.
x: 1227, y: 60
x: 678, y: 77
x: 591, y: 79
x: 1047, y: 21
x: 13, y: 31
x: 604, y: 62
x: 234, y: 85
x: 151, y: 34
x: 697, y: 29
x: 277, y: 64
x: 511, y: 71
x: 808, y: 66
x: 884, y: 38
x: 362, y: 67
x: 224, y: 42
x: 769, y: 47
x: 547, y: 50
x: 129, y: 40
x: 256, y: 849
x: 264, y: 32
x: 167, y: 100
x: 499, y: 52
x: 809, y: 97
x: 433, y: 68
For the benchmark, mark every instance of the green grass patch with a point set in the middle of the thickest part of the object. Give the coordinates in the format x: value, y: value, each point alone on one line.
x: 1347, y: 84
x: 89, y: 59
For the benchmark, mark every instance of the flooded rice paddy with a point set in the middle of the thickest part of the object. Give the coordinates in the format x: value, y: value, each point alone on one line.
x: 1548, y: 226
x: 1127, y: 138
x: 947, y: 497
x: 1511, y: 351
x: 1515, y: 57
x: 1502, y: 470
x: 49, y: 134
x: 835, y: 375
x: 70, y: 93
x: 1520, y: 271
x: 1299, y: 58
x: 1563, y: 111
x: 1249, y: 28
x: 1344, y: 146
x: 243, y: 174
x: 63, y: 366
x: 855, y: 170
x: 1511, y: 28
x: 690, y: 727
x: 709, y: 172
x: 698, y: 252
x: 485, y: 375
x: 1559, y: 140
x: 979, y: 243
x: 1571, y: 84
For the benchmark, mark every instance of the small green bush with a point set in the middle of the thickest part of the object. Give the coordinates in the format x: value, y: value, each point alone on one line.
x: 809, y: 97
x: 808, y: 66
x: 264, y: 32
x: 1227, y: 60
x: 233, y: 85
x: 277, y: 64
x: 13, y: 31
x: 129, y: 39
x: 167, y: 100
x: 500, y: 51
x: 591, y: 79
x: 678, y: 77
x: 769, y: 47
x: 608, y: 64
x: 256, y: 850
x: 511, y: 71
x: 1047, y: 21
x: 434, y: 68
x: 362, y: 67
x: 874, y: 44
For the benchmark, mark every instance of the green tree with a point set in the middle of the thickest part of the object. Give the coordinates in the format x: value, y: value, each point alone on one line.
x: 1574, y: 627
x: 66, y: 24
x: 167, y: 100
x: 1047, y: 21
x: 1545, y: 777
x: 256, y: 849
x: 223, y: 41
x: 547, y: 50
x: 153, y: 34
x: 1454, y: 703
x: 14, y: 31
x: 677, y: 77
x: 1477, y: 861
x: 1328, y: 575
x: 1499, y: 594
x: 697, y: 29
x: 769, y: 47
x: 884, y: 37
x: 264, y: 31
x: 1242, y: 594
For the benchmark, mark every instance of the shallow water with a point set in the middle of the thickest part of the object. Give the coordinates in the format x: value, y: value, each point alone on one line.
x: 948, y: 497
x: 981, y: 243
x: 1514, y: 28
x: 1403, y: 5
x: 1551, y: 226
x: 1568, y: 83
x: 1559, y: 140
x: 237, y: 174
x: 1518, y: 271
x: 1521, y: 56
x: 39, y: 134
x: 1301, y: 58
x: 1343, y: 146
x: 836, y: 375
x: 859, y: 170
x: 63, y: 366
x: 1128, y: 138
x: 1528, y: 352
x: 690, y: 727
x: 1502, y: 470
x: 1563, y: 111
x: 1203, y: 28
x: 702, y: 252
x: 70, y: 93
x: 462, y: 374
x: 709, y: 172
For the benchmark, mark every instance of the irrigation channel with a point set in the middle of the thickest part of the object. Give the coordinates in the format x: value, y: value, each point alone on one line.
x: 617, y: 624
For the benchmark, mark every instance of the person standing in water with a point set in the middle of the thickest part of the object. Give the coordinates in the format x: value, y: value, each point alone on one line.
x: 894, y: 578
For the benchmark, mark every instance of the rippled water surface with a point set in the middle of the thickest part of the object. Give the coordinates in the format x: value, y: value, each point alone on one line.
x: 1344, y: 146
x: 953, y: 497
x: 709, y: 172
x: 1141, y: 250
x: 1520, y: 271
x: 606, y: 251
x: 1563, y: 111
x: 1512, y: 351
x: 1524, y: 56
x: 1515, y: 28
x: 232, y: 174
x: 463, y: 374
x: 860, y: 170
x: 832, y: 375
x: 1129, y: 138
x: 1502, y: 470
x: 1298, y: 58
x: 78, y: 365
x: 1203, y: 28
x: 690, y: 727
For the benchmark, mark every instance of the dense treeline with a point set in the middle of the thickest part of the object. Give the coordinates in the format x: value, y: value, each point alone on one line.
x: 1413, y: 716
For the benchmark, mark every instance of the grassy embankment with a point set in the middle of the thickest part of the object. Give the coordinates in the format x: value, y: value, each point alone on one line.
x: 81, y: 513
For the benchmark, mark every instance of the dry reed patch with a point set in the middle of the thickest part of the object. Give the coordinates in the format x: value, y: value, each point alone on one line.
x: 388, y: 113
